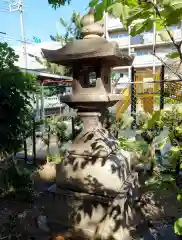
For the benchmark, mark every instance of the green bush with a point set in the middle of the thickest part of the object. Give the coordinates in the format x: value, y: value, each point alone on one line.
x: 15, y: 181
x: 16, y: 91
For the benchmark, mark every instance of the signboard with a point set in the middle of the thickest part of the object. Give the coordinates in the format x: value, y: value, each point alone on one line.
x: 36, y: 40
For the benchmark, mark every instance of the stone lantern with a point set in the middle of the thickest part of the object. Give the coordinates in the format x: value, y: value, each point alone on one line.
x: 95, y: 186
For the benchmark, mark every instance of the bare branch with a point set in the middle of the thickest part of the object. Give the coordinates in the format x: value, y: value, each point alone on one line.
x: 167, y: 66
x: 116, y: 82
x: 159, y: 15
x: 179, y: 66
x: 180, y: 43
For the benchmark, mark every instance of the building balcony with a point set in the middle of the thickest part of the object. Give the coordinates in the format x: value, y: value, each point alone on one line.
x: 147, y: 59
x: 163, y: 36
x: 145, y: 39
x: 122, y: 42
x: 143, y: 59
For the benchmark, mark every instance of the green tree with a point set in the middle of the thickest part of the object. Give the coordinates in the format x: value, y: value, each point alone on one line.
x: 141, y: 15
x: 16, y: 94
x: 58, y: 3
x: 72, y: 29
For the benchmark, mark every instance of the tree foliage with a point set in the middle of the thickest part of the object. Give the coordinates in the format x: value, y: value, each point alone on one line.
x: 72, y: 29
x: 57, y: 3
x: 16, y: 91
x: 131, y: 10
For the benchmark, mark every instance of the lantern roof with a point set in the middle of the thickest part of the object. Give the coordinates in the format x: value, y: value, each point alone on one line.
x: 91, y: 48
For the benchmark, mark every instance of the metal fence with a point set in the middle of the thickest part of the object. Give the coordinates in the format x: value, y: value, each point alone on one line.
x: 147, y: 93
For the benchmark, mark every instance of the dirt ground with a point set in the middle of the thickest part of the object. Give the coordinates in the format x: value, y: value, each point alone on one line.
x: 18, y: 218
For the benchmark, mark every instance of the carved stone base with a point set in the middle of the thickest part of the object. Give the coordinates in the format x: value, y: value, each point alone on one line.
x: 89, y: 216
x: 96, y: 189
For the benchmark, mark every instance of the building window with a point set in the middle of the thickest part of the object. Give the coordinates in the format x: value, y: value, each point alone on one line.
x: 149, y: 31
x: 174, y: 27
x: 142, y: 53
x: 118, y: 35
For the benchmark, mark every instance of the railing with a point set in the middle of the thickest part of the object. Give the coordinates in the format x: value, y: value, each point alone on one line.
x: 124, y: 41
x: 145, y: 38
x: 147, y: 59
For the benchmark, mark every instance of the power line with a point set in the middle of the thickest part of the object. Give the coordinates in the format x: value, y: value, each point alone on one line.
x: 7, y: 38
x: 4, y: 10
x: 36, y: 58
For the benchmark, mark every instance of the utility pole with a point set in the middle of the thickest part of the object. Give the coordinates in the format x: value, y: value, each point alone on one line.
x: 20, y: 5
x: 17, y: 6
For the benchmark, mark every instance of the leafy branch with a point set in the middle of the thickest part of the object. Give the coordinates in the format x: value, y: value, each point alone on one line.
x: 177, y: 45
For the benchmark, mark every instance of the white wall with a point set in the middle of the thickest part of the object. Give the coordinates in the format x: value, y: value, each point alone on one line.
x: 114, y: 23
x: 34, y: 50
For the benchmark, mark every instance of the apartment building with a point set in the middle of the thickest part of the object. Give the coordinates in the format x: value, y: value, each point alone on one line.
x: 141, y: 46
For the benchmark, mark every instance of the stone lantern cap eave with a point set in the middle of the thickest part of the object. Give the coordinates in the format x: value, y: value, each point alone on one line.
x: 88, y: 50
